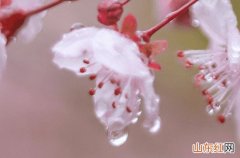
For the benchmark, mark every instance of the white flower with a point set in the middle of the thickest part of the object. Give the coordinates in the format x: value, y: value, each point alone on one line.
x: 33, y: 25
x: 12, y: 26
x: 219, y: 64
x: 122, y: 77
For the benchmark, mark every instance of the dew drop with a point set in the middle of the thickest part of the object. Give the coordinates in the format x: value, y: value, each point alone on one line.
x: 157, y: 100
x: 210, y: 110
x: 195, y: 23
x: 217, y: 106
x: 228, y: 114
x: 76, y: 26
x: 153, y: 126
x: 134, y: 120
x: 139, y: 113
x: 156, y: 126
x: 117, y: 138
x: 209, y: 78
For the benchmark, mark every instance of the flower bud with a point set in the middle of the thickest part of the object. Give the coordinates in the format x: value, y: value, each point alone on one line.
x: 109, y: 12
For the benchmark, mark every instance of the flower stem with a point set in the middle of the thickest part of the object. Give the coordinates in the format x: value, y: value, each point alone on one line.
x: 148, y: 33
x: 126, y: 1
x: 47, y: 6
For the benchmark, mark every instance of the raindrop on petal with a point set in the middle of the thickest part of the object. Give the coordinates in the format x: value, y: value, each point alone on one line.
x: 117, y: 138
x: 139, y: 113
x: 210, y: 110
x: 76, y: 26
x: 154, y: 126
x: 134, y: 120
x: 195, y: 23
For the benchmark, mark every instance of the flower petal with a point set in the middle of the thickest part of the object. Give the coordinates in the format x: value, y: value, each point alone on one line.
x: 129, y: 26
x: 3, y: 55
x: 214, y: 25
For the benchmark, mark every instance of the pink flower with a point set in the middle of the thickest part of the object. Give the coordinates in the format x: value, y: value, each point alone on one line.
x: 33, y: 25
x: 21, y: 18
x: 12, y: 19
x: 164, y: 7
x: 121, y: 71
x: 219, y: 73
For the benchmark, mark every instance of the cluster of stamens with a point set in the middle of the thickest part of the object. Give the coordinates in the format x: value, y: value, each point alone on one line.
x: 217, y: 80
x: 117, y: 92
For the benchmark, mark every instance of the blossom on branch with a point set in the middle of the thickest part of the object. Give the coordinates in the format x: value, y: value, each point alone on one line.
x: 219, y: 65
x: 120, y: 62
x: 21, y: 18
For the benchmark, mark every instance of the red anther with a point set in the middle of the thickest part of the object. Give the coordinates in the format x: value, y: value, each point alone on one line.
x: 188, y: 64
x: 114, y: 105
x: 85, y: 61
x: 205, y: 92
x: 100, y: 85
x: 216, y: 77
x: 180, y: 54
x: 154, y: 66
x: 198, y: 78
x: 224, y: 83
x: 83, y: 70
x: 118, y: 91
x: 210, y: 99
x: 113, y: 81
x: 92, y: 77
x: 91, y: 91
x: 109, y: 12
x: 221, y: 118
x: 214, y: 65
x: 201, y: 67
x: 128, y: 109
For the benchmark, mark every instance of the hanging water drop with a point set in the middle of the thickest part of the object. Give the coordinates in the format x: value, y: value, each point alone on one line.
x: 139, y: 113
x: 217, y: 106
x: 76, y: 26
x: 154, y: 126
x: 210, y: 110
x: 134, y: 120
x: 195, y: 23
x: 209, y: 78
x: 117, y: 138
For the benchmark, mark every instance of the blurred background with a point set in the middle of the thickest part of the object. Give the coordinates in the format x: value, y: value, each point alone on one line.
x: 47, y: 113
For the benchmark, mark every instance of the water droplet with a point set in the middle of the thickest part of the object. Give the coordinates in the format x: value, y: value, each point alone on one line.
x: 228, y: 114
x: 100, y: 109
x: 217, y: 106
x: 137, y: 92
x: 153, y: 126
x: 195, y: 23
x: 210, y: 110
x: 157, y: 100
x: 117, y: 138
x: 209, y: 78
x: 134, y: 120
x: 139, y: 113
x: 76, y: 26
